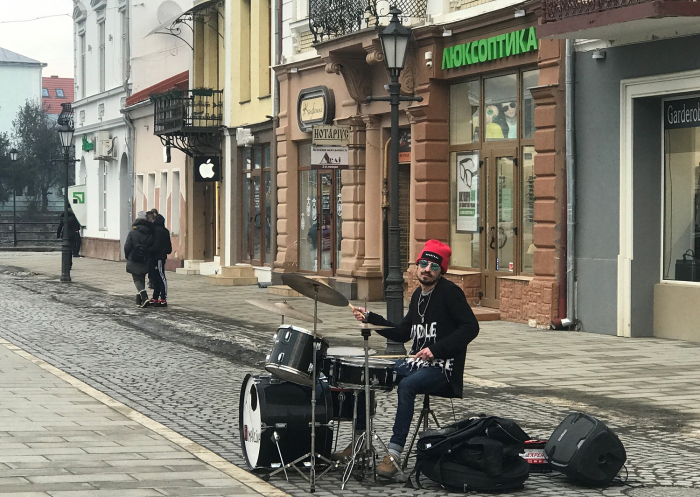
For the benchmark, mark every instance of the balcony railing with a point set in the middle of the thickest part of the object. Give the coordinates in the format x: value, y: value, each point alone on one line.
x: 333, y: 18
x: 557, y: 10
x: 182, y: 111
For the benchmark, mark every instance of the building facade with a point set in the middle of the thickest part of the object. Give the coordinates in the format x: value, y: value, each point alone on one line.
x: 101, y: 41
x: 481, y: 162
x: 54, y: 92
x: 20, y: 80
x: 637, y: 150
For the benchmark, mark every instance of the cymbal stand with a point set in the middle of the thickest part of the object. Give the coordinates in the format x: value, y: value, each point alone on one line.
x: 312, y: 454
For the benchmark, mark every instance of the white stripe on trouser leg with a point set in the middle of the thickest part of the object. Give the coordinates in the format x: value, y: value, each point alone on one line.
x: 161, y: 271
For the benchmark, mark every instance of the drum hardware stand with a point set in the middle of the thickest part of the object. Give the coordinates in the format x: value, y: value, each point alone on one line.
x: 369, y: 453
x: 276, y: 439
x: 312, y: 454
x: 425, y: 413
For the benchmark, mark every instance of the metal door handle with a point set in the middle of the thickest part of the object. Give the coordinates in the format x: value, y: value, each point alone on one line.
x: 492, y: 233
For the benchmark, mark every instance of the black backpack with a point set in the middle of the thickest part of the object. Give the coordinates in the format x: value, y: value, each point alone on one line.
x: 140, y: 252
x: 477, y: 454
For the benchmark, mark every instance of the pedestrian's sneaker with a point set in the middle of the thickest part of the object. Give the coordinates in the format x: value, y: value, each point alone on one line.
x: 388, y: 467
x: 161, y: 303
x: 145, y: 301
x: 139, y: 301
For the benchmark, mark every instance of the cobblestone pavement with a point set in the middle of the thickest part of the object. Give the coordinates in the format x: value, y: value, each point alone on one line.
x: 154, y: 364
x: 60, y: 438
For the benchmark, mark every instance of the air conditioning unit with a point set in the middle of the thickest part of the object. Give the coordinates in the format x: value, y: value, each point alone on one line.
x: 105, y: 147
x: 244, y: 137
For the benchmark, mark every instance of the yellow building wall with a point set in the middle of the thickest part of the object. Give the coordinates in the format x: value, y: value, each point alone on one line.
x: 209, y: 59
x: 251, y: 98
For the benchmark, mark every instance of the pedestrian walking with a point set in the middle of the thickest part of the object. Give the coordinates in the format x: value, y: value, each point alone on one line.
x: 72, y: 224
x: 137, y: 253
x: 159, y: 253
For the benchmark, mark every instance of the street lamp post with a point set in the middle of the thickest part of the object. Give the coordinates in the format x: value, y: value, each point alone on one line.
x: 65, y: 132
x: 13, y: 158
x: 394, y: 38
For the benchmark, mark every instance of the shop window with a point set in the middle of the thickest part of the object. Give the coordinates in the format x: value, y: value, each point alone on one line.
x: 308, y: 198
x: 500, y: 108
x: 464, y: 113
x: 464, y: 215
x: 681, y: 232
x: 530, y: 80
x: 528, y: 206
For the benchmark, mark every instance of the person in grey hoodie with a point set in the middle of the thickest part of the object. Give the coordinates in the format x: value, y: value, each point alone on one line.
x: 136, y: 250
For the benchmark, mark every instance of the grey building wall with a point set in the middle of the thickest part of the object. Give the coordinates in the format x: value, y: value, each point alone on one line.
x: 597, y: 122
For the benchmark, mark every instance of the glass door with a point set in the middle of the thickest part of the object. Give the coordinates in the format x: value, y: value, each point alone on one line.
x: 256, y: 206
x: 501, y: 227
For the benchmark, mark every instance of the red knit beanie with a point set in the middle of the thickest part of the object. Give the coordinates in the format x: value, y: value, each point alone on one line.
x: 436, y: 251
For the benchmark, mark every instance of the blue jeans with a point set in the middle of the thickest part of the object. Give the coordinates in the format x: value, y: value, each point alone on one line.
x: 428, y: 380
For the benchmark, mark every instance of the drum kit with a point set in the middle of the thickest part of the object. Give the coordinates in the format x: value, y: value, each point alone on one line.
x: 287, y: 417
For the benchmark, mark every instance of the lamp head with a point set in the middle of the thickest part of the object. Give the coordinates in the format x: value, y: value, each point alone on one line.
x: 13, y: 154
x: 394, y: 38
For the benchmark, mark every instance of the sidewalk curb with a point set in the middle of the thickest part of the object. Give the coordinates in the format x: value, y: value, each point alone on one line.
x: 201, y: 453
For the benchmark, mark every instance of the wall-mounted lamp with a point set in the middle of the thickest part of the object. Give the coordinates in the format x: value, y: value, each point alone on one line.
x: 428, y: 59
x: 446, y: 32
x: 598, y: 54
x: 519, y: 12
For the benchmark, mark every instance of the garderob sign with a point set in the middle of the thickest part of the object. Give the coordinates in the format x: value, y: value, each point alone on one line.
x: 468, y: 191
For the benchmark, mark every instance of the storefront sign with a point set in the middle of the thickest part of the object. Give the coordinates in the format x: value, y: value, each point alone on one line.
x: 683, y: 113
x: 493, y: 48
x: 468, y: 192
x: 315, y: 106
x: 329, y: 157
x: 337, y: 136
x: 207, y: 168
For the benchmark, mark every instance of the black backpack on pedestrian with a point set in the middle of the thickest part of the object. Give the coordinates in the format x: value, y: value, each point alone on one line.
x: 477, y: 454
x: 139, y: 253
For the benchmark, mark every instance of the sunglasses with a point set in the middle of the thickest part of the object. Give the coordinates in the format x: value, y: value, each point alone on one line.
x: 434, y: 266
x: 511, y: 105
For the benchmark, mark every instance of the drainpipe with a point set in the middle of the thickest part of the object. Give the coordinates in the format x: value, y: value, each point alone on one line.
x: 570, y: 320
x: 127, y: 119
x: 276, y: 60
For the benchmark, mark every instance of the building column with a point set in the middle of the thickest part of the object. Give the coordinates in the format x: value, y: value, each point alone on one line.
x: 369, y: 275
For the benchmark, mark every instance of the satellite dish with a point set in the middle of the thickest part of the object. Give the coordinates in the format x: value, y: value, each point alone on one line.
x: 168, y: 10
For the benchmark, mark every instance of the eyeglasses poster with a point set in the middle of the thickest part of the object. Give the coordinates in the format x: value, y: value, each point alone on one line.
x: 468, y: 191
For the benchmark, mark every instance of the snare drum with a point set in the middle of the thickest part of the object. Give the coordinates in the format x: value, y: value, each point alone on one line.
x: 349, y: 372
x: 291, y: 357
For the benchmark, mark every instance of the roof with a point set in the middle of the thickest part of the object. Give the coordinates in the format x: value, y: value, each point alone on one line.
x: 52, y: 103
x: 179, y: 81
x: 9, y: 57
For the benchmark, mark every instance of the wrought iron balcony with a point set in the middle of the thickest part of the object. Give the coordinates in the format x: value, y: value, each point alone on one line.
x: 178, y: 112
x: 333, y: 18
x: 602, y: 19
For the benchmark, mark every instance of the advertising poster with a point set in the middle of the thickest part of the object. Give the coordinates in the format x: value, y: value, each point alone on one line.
x: 468, y: 192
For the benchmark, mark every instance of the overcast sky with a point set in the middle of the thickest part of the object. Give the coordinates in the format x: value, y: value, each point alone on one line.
x: 49, y: 40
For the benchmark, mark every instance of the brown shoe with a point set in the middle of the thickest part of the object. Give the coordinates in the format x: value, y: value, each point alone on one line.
x: 344, y: 454
x: 388, y: 467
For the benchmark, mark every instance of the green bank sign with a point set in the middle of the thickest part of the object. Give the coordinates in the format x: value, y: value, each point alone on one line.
x: 495, y: 47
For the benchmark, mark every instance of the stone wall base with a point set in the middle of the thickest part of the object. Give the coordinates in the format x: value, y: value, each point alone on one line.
x: 101, y: 248
x: 468, y: 281
x: 528, y: 300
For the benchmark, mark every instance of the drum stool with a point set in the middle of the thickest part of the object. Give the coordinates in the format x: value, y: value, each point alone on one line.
x: 425, y: 413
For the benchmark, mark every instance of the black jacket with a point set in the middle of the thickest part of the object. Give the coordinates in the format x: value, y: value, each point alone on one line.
x: 73, y: 225
x: 161, y: 240
x: 141, y: 234
x: 448, y: 325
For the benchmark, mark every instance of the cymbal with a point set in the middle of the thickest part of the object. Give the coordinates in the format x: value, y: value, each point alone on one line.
x: 314, y: 289
x: 283, y: 309
x: 368, y: 326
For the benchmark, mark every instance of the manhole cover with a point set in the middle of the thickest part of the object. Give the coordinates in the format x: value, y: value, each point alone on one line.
x: 664, y: 492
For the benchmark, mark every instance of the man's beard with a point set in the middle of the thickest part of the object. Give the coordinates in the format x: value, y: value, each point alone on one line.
x: 428, y: 279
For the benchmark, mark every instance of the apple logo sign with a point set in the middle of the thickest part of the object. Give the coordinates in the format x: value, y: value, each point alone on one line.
x: 206, y: 170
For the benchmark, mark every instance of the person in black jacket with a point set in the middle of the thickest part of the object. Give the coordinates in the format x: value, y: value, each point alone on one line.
x: 159, y: 253
x: 136, y: 250
x: 440, y: 324
x: 73, y: 226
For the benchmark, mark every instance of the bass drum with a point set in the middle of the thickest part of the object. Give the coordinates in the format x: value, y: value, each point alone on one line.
x: 269, y: 405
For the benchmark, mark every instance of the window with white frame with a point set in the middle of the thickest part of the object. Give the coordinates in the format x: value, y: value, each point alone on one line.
x: 124, y: 43
x: 101, y: 30
x: 175, y: 204
x: 83, y: 48
x: 102, y: 168
x: 681, y: 232
x: 151, y: 193
x: 163, y: 193
x: 139, y: 192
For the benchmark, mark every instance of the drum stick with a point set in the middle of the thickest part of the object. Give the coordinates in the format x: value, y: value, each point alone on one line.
x: 389, y: 356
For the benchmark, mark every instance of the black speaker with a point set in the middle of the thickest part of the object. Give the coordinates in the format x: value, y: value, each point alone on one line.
x: 585, y: 450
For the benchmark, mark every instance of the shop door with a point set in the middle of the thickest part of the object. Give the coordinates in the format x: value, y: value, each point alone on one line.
x: 320, y: 247
x: 257, y: 206
x: 499, y: 243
